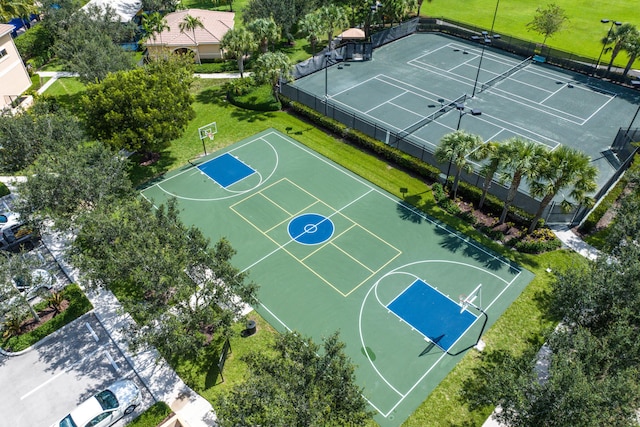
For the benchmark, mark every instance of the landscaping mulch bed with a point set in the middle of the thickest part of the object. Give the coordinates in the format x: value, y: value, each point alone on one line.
x: 45, y: 315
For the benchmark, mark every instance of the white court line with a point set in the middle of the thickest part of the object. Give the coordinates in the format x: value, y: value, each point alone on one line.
x: 550, y: 76
x: 388, y: 101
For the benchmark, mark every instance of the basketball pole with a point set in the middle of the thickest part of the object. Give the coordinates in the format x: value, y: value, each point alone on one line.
x: 204, y: 147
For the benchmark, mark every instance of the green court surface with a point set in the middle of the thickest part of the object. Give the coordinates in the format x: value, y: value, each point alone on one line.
x: 331, y: 251
x: 406, y: 79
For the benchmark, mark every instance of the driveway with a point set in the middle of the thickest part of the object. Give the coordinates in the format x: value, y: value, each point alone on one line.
x: 43, y: 384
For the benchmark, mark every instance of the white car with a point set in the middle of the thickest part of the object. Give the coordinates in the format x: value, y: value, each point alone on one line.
x: 8, y: 219
x: 104, y: 408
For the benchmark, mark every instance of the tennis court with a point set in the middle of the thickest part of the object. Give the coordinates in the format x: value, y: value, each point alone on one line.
x: 331, y: 251
x: 412, y: 87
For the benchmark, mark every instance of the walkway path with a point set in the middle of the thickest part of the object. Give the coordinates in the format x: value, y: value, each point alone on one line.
x: 569, y: 240
x: 55, y: 75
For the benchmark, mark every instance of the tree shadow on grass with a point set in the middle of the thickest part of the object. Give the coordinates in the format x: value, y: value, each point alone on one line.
x: 140, y: 174
x: 252, y: 116
x: 214, y: 95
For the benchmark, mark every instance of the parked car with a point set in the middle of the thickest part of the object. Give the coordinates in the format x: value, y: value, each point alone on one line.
x: 104, y: 408
x: 17, y: 238
x: 9, y: 219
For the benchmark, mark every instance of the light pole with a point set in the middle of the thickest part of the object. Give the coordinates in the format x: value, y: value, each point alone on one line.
x: 495, y: 13
x: 486, y: 41
x: 604, y: 45
x: 327, y: 55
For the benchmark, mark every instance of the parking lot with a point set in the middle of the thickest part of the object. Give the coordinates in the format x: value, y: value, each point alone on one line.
x: 43, y: 384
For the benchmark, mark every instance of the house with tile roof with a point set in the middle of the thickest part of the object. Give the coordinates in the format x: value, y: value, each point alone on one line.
x: 203, y: 42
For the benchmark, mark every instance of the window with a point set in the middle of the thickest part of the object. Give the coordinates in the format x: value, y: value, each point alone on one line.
x: 3, y: 53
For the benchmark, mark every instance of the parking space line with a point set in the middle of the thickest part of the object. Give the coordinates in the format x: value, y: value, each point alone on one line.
x: 59, y: 374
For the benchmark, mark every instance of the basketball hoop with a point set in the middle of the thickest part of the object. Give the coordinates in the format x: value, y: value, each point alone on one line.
x: 463, y: 302
x: 210, y: 135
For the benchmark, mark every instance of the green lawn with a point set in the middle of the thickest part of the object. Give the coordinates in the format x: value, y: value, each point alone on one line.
x: 582, y: 34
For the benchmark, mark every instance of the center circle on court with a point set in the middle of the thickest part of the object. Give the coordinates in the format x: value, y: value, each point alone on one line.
x: 310, y: 229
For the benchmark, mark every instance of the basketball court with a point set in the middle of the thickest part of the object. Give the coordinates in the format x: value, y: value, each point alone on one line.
x: 425, y: 86
x: 330, y: 251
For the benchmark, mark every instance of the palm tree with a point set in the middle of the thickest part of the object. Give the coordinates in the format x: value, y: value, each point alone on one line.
x: 16, y: 9
x: 265, y: 31
x: 240, y: 42
x: 272, y: 67
x: 153, y: 25
x: 565, y: 167
x: 332, y: 18
x: 522, y: 159
x: 397, y: 10
x: 618, y: 39
x: 190, y: 23
x: 311, y: 25
x: 454, y: 149
x: 492, y: 152
x: 420, y: 6
x: 632, y: 47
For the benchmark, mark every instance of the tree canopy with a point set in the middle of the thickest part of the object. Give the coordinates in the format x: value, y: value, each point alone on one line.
x: 590, y: 375
x: 44, y: 127
x: 548, y: 20
x: 141, y: 109
x: 298, y: 384
x: 177, y: 288
x: 89, y: 45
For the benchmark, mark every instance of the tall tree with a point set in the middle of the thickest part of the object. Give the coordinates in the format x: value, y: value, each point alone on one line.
x: 454, y: 149
x: 311, y: 25
x: 298, y: 384
x: 492, y: 152
x: 90, y: 47
x: 239, y: 42
x: 564, y: 167
x: 285, y: 13
x: 265, y: 31
x: 191, y: 23
x: 522, y: 161
x: 44, y: 127
x: 333, y: 18
x: 10, y: 9
x: 177, y: 288
x: 398, y: 10
x: 153, y: 25
x: 616, y: 40
x: 271, y: 68
x: 63, y: 184
x: 548, y: 20
x: 632, y: 47
x: 142, y: 109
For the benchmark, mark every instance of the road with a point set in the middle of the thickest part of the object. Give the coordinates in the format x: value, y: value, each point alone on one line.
x: 42, y: 385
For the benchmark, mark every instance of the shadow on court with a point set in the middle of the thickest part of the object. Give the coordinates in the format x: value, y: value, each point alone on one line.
x: 408, y: 212
x: 455, y: 244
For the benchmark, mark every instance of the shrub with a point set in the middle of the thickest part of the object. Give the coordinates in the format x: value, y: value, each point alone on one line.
x: 4, y: 190
x: 438, y: 193
x: 379, y: 148
x: 78, y: 305
x: 541, y: 240
x: 259, y: 98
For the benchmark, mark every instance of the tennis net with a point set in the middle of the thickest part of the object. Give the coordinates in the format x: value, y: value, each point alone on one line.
x: 486, y: 85
x: 431, y: 117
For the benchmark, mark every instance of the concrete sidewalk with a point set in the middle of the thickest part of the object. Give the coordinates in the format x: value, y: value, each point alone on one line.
x: 159, y: 378
x: 571, y: 241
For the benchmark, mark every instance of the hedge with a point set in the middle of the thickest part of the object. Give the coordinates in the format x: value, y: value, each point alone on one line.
x: 153, y: 416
